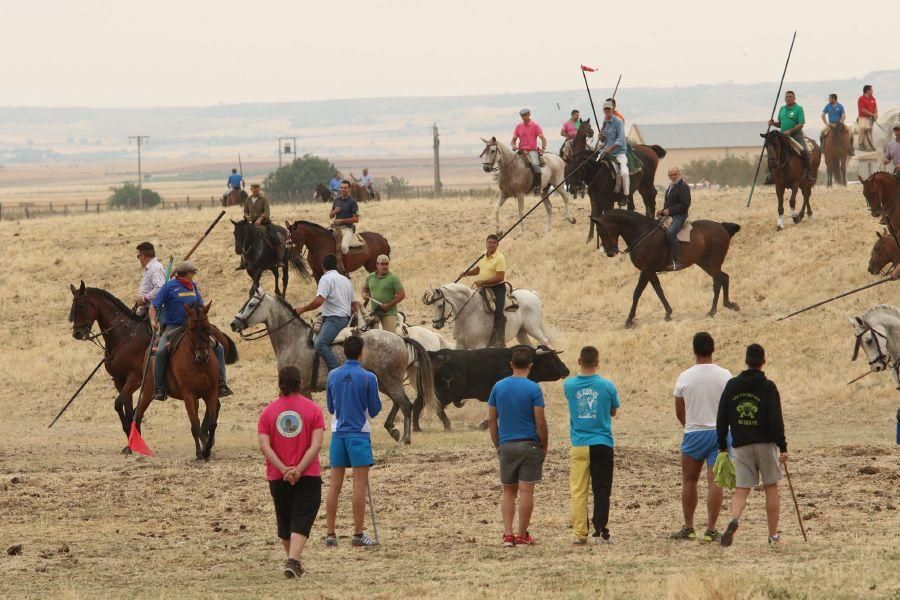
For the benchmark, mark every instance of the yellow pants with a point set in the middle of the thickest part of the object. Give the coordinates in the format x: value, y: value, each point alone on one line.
x: 388, y: 322
x: 579, y: 484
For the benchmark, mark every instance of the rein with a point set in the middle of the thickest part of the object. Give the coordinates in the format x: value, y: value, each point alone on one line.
x: 265, y: 331
x: 629, y: 249
x: 883, y: 358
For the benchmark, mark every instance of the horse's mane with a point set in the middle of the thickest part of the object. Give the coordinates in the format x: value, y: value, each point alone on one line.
x: 882, y: 308
x: 312, y: 225
x: 116, y: 302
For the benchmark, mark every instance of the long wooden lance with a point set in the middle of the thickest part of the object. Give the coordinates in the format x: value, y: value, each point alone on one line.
x: 78, y: 391
x: 203, y: 237
x: 241, y: 170
x: 838, y: 297
x: 774, y: 106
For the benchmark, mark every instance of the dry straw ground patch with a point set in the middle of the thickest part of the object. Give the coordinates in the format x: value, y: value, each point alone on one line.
x: 169, y: 528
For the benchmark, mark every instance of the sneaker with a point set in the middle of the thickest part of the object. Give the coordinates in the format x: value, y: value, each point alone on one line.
x: 710, y: 536
x: 331, y: 541
x: 363, y: 541
x: 292, y: 569
x: 224, y: 390
x: 775, y: 541
x: 509, y: 541
x: 685, y: 533
x: 525, y: 540
x: 159, y: 394
x: 728, y: 536
x: 579, y: 541
x: 602, y: 537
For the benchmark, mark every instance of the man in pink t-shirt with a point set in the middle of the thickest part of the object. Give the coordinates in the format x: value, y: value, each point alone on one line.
x: 291, y: 432
x: 525, y: 138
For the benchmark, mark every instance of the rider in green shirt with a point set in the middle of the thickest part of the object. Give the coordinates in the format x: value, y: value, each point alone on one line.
x: 386, y: 292
x: 791, y: 121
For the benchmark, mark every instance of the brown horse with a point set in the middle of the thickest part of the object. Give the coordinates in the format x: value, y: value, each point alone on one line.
x: 361, y: 194
x: 234, y: 198
x: 787, y: 169
x: 836, y: 149
x: 192, y: 374
x: 125, y: 338
x: 319, y: 243
x: 570, y: 149
x: 648, y: 248
x: 884, y: 251
x: 882, y: 192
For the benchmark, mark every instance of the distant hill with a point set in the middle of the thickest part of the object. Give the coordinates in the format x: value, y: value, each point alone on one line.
x: 384, y: 127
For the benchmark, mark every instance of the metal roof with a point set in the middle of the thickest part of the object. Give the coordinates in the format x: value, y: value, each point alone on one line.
x: 699, y: 135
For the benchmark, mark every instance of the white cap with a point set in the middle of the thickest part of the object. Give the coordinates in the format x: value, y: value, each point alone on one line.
x: 524, y: 111
x: 608, y: 104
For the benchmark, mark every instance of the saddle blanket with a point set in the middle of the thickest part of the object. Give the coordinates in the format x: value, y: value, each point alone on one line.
x: 795, y: 145
x: 357, y: 243
x: 489, y: 300
x: 684, y: 234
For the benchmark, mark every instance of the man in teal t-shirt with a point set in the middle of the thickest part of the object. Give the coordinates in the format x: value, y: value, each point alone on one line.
x: 593, y: 401
x: 386, y: 292
x: 791, y: 121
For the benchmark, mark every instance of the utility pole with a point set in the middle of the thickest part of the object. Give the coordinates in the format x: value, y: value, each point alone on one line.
x: 437, y: 161
x: 139, y: 140
x: 287, y: 146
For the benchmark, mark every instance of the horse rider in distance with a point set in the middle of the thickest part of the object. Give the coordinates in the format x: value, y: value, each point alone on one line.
x: 570, y: 129
x: 524, y: 140
x: 491, y: 273
x: 235, y: 182
x: 612, y: 134
x: 867, y: 107
x: 335, y: 185
x: 791, y: 121
x: 344, y: 215
x: 367, y: 182
x: 832, y: 115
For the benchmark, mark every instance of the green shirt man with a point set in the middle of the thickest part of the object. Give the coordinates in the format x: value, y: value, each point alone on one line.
x: 386, y: 291
x: 790, y: 117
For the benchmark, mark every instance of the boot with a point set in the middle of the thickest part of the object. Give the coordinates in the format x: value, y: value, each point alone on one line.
x: 536, y: 183
x: 159, y: 394
x: 498, y: 336
x: 342, y: 268
x: 224, y: 390
x: 675, y: 253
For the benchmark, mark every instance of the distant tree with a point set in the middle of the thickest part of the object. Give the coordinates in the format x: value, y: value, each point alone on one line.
x: 127, y: 197
x: 301, y: 174
x: 396, y: 185
x: 731, y: 171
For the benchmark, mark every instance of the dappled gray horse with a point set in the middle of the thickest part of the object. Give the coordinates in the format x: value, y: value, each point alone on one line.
x: 391, y: 357
x: 878, y: 335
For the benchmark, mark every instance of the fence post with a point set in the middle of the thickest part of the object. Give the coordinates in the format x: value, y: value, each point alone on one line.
x: 66, y: 209
x: 27, y: 212
x: 51, y: 208
x: 85, y: 205
x: 188, y: 201
x: 98, y: 208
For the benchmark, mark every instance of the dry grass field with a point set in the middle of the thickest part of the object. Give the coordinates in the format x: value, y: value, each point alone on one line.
x: 94, y: 523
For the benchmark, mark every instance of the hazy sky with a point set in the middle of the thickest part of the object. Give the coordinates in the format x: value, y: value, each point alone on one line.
x: 199, y: 52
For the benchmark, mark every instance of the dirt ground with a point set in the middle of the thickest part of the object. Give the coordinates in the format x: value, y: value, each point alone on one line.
x: 94, y: 523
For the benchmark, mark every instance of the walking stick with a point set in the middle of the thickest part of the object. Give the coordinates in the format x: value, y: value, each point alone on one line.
x: 372, y: 510
x: 78, y: 391
x: 833, y: 298
x: 774, y: 106
x: 796, y: 506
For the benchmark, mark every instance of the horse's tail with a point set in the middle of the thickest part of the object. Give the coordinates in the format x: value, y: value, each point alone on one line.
x: 300, y: 265
x: 424, y: 375
x: 231, y: 353
x: 658, y: 150
x: 731, y: 228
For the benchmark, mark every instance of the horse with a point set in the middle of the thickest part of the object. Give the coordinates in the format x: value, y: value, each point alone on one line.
x: 125, y: 337
x: 473, y: 323
x: 192, y: 373
x: 648, y: 248
x: 881, y: 191
x: 323, y: 193
x: 516, y: 179
x: 261, y: 254
x: 786, y: 167
x: 599, y: 176
x: 234, y: 197
x: 877, y: 333
x: 570, y: 149
x: 393, y: 359
x: 836, y: 148
x: 360, y: 193
x: 319, y: 243
x: 884, y: 251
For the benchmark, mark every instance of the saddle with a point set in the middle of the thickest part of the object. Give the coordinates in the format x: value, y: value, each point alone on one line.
x: 684, y: 234
x: 489, y: 300
x: 523, y: 156
x: 351, y: 329
x: 795, y: 145
x: 357, y: 243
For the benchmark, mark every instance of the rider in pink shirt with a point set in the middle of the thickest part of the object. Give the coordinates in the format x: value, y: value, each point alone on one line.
x: 525, y: 137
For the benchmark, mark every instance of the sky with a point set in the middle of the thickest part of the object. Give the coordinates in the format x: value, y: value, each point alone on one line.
x: 128, y: 53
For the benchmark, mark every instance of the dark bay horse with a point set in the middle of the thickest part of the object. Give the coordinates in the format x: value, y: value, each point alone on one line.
x: 261, y: 253
x: 234, y: 198
x: 571, y: 149
x: 319, y: 243
x: 882, y: 192
x: 125, y: 338
x: 323, y: 193
x: 648, y: 248
x: 884, y: 251
x: 192, y: 374
x: 836, y: 148
x: 787, y: 169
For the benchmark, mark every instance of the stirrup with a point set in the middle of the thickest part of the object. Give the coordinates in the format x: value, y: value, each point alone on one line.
x: 159, y: 394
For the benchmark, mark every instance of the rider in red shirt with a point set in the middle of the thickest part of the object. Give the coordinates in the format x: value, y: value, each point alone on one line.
x: 868, y: 115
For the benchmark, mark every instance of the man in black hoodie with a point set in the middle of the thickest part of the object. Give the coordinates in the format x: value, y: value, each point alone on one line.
x: 751, y: 408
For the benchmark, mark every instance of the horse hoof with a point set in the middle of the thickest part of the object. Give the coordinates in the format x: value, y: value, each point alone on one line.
x: 795, y: 219
x: 126, y: 450
x: 395, y: 434
x: 779, y: 228
x: 711, y: 314
x: 629, y: 324
x: 406, y: 441
x: 573, y: 220
x: 668, y: 317
x: 733, y: 306
x: 417, y: 429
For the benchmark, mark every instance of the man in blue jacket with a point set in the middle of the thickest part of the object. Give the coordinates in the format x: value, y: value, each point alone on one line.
x: 352, y: 396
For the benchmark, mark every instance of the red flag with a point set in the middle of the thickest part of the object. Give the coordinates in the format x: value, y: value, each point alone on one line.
x: 137, y: 443
x: 588, y: 69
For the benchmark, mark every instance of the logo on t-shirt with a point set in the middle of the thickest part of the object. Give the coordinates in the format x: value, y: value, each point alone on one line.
x: 289, y: 424
x: 586, y: 400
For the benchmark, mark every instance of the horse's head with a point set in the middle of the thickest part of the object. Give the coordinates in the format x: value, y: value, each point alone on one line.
x: 586, y: 128
x: 249, y: 314
x: 873, y: 341
x: 872, y: 194
x: 83, y: 313
x: 490, y: 155
x: 442, y: 309
x: 609, y: 237
x: 197, y: 331
x: 883, y: 252
x: 240, y: 235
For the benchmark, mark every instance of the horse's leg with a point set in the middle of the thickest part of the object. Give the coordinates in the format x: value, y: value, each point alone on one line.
x: 389, y: 422
x: 190, y: 405
x: 500, y: 200
x: 561, y: 190
x: 726, y: 301
x: 278, y: 290
x: 779, y: 192
x: 520, y: 199
x: 522, y: 336
x: 717, y: 286
x: 285, y: 270
x: 398, y: 395
x: 549, y: 209
x: 638, y: 290
x: 145, y: 398
x: 792, y: 202
x: 657, y: 287
x: 418, y: 407
x: 212, y: 419
x: 807, y: 192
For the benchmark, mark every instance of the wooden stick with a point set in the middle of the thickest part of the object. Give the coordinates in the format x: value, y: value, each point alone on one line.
x: 796, y: 506
x: 78, y: 391
x: 833, y: 298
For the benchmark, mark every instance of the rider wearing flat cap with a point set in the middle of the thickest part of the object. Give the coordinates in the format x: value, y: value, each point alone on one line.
x: 178, y: 292
x: 525, y: 138
x: 258, y: 212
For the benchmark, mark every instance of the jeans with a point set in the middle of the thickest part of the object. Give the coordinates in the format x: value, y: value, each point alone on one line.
x: 672, y: 232
x: 331, y: 327
x: 162, y: 357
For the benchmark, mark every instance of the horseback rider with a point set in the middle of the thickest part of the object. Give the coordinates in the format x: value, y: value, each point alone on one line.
x: 892, y: 152
x: 570, y: 127
x: 832, y: 115
x: 385, y: 290
x: 526, y: 134
x: 335, y: 295
x: 235, y: 182
x: 367, y: 182
x: 612, y: 134
x: 171, y: 299
x: 335, y: 185
x: 153, y: 278
x: 678, y: 202
x: 344, y: 215
x: 491, y: 273
x: 257, y: 211
x: 791, y: 121
x: 615, y: 111
x: 868, y: 115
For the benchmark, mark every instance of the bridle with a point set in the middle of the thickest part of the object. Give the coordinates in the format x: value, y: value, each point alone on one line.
x: 438, y: 294
x: 194, y: 329
x: 883, y: 358
x: 489, y: 164
x: 94, y: 338
x: 265, y: 331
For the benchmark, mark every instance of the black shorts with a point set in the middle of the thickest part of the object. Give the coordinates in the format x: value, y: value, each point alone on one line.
x: 296, y: 506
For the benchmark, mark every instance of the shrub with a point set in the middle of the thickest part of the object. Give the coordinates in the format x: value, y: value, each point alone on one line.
x: 127, y: 197
x: 730, y: 171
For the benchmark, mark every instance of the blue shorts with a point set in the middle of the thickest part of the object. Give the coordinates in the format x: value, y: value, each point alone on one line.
x: 702, y: 444
x: 351, y: 452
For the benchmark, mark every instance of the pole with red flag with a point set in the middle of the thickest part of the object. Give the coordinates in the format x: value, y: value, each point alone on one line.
x: 584, y: 71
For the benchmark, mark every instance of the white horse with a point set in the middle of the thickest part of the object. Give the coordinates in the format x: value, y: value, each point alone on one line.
x: 473, y: 324
x: 392, y: 358
x: 878, y: 335
x: 515, y: 178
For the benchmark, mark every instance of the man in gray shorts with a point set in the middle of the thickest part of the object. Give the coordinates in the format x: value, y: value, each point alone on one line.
x: 519, y: 433
x: 751, y: 408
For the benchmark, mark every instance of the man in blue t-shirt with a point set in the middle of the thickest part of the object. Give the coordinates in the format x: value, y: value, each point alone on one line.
x: 593, y: 401
x: 235, y: 180
x: 832, y: 116
x: 519, y: 433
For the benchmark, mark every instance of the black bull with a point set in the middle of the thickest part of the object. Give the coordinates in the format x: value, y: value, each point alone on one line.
x: 463, y: 374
